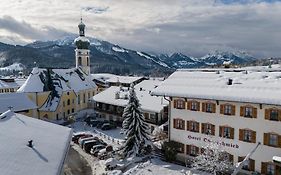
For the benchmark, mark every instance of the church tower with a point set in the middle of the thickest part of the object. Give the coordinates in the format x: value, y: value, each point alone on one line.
x: 82, y: 52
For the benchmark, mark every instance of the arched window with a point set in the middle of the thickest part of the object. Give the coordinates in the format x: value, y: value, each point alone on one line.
x: 79, y: 61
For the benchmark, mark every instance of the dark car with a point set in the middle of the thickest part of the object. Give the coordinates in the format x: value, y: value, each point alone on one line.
x: 76, y: 137
x: 88, y: 145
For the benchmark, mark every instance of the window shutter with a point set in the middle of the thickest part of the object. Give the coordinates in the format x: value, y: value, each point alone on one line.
x: 204, y: 107
x: 221, y: 131
x: 197, y: 127
x: 175, y: 120
x: 175, y: 103
x: 242, y: 109
x: 222, y: 109
x: 189, y: 105
x: 233, y: 110
x: 279, y: 141
x: 214, y: 107
x: 279, y: 115
x: 183, y: 124
x: 187, y: 125
x: 213, y: 130
x: 232, y: 133
x: 198, y: 106
x: 263, y: 167
x: 203, y: 127
x: 187, y: 149
x: 255, y: 112
x: 241, y: 134
x: 266, y: 138
x: 267, y: 114
x: 254, y: 133
x: 252, y: 165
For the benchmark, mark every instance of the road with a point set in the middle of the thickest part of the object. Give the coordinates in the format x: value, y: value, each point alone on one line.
x: 75, y: 164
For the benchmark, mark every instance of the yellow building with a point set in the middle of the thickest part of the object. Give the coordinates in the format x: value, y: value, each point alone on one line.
x: 59, y: 93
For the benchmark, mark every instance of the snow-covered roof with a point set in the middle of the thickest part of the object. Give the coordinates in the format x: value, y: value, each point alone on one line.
x: 247, y: 86
x: 63, y: 79
x: 11, y: 82
x: 57, y: 81
x: 18, y: 102
x: 143, y: 89
x: 50, y: 145
x: 111, y: 78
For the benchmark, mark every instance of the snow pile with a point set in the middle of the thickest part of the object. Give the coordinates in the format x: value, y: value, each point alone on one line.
x: 13, y: 67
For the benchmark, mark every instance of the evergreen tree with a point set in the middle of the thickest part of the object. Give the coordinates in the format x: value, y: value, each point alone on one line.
x: 136, y: 130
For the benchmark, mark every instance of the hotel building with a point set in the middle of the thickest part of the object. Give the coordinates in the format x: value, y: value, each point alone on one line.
x: 236, y: 109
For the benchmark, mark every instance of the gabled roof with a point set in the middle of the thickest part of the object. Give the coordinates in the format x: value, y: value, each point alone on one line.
x: 247, y: 86
x: 50, y: 145
x: 143, y: 89
x: 18, y: 102
x: 57, y: 81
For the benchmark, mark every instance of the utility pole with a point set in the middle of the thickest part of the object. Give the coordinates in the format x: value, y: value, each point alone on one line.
x: 241, y: 164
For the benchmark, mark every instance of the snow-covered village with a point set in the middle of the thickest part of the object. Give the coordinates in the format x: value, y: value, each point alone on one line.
x: 189, y: 87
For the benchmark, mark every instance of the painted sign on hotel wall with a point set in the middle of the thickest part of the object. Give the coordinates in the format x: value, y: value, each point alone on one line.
x: 208, y: 140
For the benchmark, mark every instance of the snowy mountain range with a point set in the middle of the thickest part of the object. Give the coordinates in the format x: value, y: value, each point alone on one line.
x: 108, y: 57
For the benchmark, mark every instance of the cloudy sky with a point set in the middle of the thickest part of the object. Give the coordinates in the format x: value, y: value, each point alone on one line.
x: 193, y: 27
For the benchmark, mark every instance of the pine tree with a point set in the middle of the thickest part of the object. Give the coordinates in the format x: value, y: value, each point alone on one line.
x: 136, y: 130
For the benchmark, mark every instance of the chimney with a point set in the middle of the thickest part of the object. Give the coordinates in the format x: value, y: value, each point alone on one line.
x: 30, y: 143
x: 229, y: 81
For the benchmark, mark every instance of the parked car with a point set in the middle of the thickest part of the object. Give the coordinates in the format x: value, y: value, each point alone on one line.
x: 97, y: 147
x: 76, y: 137
x: 81, y: 141
x: 89, y: 144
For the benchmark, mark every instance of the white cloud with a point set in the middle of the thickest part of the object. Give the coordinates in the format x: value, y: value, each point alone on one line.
x: 193, y: 27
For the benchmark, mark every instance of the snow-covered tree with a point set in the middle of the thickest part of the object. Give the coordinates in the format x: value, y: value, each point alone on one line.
x: 213, y: 159
x: 135, y: 128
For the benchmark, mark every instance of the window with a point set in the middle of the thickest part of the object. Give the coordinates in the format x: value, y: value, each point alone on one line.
x: 247, y: 135
x: 208, y: 129
x: 274, y: 114
x: 192, y: 150
x: 179, y: 124
x: 227, y: 109
x: 194, y: 106
x: 270, y: 169
x: 193, y: 126
x: 273, y: 139
x: 226, y: 132
x: 179, y: 104
x: 249, y: 112
x: 209, y: 107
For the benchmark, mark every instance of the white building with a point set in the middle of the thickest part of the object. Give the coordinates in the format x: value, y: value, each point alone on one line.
x: 235, y: 109
x: 31, y: 146
x: 111, y: 102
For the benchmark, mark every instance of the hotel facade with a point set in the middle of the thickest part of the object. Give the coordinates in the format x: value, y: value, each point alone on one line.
x: 201, y: 112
